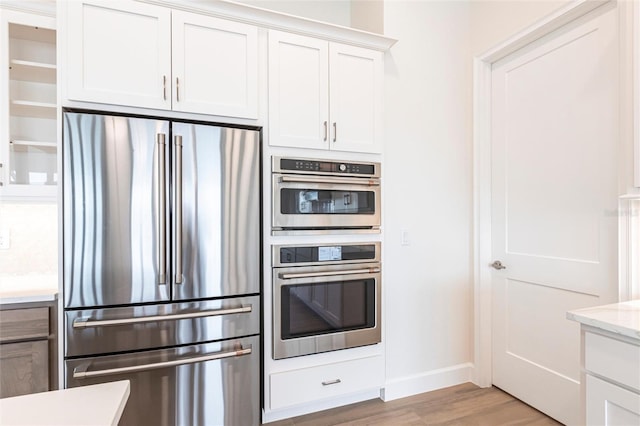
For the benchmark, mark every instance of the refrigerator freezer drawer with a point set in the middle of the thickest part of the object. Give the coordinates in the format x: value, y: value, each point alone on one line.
x: 208, y: 384
x: 109, y: 330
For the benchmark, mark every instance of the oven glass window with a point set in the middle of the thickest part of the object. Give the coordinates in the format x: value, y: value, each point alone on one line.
x: 313, y: 201
x: 328, y: 307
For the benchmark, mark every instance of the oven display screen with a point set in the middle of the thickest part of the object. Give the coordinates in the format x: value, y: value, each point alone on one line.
x: 329, y: 253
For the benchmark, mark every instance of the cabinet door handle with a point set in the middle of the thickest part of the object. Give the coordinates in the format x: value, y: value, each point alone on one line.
x: 164, y: 87
x: 325, y: 131
x: 335, y: 131
x: 177, y: 89
x: 331, y: 382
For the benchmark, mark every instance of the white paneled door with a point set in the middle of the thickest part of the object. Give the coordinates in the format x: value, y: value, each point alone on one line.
x: 554, y: 199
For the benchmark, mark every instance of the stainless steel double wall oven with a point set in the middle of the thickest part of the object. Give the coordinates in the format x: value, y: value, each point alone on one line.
x: 325, y: 296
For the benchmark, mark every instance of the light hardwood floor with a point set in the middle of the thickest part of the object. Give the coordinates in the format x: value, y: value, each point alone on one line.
x: 464, y: 404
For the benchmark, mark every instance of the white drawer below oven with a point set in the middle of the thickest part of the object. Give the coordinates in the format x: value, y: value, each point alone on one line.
x: 312, y: 384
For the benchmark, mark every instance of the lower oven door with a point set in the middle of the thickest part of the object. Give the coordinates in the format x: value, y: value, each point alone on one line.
x: 325, y: 308
x: 315, y: 202
x: 208, y: 384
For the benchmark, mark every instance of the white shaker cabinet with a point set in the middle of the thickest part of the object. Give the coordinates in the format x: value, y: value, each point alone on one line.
x: 610, y: 378
x: 612, y: 374
x: 143, y: 55
x: 215, y: 66
x: 324, y: 95
x: 119, y: 53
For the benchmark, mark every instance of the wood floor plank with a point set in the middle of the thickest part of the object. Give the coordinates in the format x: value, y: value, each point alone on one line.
x: 464, y: 404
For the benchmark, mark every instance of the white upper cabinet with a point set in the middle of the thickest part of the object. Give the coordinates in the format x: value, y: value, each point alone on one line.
x: 119, y: 53
x: 298, y: 91
x: 136, y: 54
x: 355, y: 98
x: 324, y: 95
x: 215, y: 66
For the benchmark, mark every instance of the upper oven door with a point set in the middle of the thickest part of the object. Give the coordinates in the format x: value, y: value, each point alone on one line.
x: 317, y: 202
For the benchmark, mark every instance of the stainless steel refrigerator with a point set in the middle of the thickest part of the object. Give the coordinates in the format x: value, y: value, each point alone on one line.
x: 162, y: 282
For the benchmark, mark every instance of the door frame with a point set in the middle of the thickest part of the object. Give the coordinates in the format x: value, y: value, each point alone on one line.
x: 482, y: 256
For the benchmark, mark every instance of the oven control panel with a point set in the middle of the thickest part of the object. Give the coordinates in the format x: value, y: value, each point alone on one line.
x: 318, y: 254
x: 328, y: 167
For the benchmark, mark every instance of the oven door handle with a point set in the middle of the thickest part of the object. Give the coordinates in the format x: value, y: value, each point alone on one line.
x: 82, y: 371
x: 84, y: 322
x: 285, y: 276
x: 330, y: 181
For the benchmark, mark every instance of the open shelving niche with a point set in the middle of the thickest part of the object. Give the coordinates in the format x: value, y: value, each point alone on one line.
x: 32, y: 149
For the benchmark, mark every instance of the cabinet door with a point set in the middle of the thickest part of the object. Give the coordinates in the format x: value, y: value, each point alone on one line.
x: 215, y: 66
x: 119, y: 53
x: 25, y: 368
x: 298, y: 91
x: 610, y: 405
x: 355, y: 98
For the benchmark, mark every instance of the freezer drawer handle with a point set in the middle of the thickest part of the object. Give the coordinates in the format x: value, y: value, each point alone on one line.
x: 82, y: 373
x: 84, y: 322
x: 329, y: 273
x: 319, y: 180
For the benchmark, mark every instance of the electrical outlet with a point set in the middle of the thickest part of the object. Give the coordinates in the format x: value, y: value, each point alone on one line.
x: 5, y: 239
x: 404, y: 239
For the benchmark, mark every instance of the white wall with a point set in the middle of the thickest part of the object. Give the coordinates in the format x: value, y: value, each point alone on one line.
x: 427, y: 191
x: 428, y: 181
x: 332, y: 11
x: 368, y: 15
x: 495, y: 21
x: 33, y: 233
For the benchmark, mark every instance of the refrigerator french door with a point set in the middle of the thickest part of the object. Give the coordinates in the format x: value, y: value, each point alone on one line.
x: 161, y: 231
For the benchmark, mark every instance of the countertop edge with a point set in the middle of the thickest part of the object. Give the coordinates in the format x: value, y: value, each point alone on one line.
x: 102, y: 404
x: 14, y: 300
x: 596, y: 317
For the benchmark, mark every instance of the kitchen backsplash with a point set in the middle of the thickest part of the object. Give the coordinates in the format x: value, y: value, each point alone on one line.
x: 32, y: 230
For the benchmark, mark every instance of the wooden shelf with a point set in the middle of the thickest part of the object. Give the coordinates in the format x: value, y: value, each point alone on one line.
x: 32, y: 71
x: 38, y: 144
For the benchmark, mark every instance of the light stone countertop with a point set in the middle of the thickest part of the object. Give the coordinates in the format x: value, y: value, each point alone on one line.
x: 621, y: 318
x: 94, y: 405
x: 28, y: 288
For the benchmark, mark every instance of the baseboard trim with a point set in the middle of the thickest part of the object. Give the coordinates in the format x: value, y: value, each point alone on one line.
x: 428, y: 381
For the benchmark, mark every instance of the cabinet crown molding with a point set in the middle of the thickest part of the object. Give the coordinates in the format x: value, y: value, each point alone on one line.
x: 280, y: 21
x: 38, y: 7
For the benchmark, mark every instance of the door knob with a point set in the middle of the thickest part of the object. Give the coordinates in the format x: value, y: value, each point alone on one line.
x: 498, y: 265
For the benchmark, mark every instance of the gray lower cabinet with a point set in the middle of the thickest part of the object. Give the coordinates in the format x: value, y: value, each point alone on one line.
x: 26, y: 345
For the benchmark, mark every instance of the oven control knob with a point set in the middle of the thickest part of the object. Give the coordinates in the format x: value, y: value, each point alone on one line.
x: 343, y: 168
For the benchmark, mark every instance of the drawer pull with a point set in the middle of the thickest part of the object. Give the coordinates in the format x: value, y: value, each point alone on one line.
x: 331, y: 382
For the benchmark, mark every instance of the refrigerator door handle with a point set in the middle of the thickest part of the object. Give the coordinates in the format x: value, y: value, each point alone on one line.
x: 85, y: 322
x: 178, y: 209
x: 162, y: 212
x: 82, y: 371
